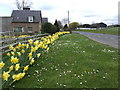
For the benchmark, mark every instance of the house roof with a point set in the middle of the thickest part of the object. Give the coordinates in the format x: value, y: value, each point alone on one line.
x: 22, y: 15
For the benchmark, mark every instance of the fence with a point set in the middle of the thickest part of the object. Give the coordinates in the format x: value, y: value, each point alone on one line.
x: 6, y: 43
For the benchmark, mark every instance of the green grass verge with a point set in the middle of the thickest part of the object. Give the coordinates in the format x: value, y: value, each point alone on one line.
x: 113, y: 31
x: 74, y: 62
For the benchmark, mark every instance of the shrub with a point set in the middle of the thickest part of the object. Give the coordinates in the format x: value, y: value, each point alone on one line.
x: 48, y: 28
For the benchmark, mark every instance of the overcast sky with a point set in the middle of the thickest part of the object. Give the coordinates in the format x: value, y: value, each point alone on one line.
x: 82, y: 11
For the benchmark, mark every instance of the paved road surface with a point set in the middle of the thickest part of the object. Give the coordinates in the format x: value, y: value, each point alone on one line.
x: 111, y: 40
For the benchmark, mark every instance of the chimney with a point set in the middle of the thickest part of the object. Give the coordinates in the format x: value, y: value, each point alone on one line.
x: 26, y: 8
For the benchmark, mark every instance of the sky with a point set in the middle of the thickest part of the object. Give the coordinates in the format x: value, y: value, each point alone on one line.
x: 81, y: 11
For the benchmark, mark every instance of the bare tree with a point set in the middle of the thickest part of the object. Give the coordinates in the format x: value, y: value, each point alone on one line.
x: 23, y: 4
x: 64, y: 21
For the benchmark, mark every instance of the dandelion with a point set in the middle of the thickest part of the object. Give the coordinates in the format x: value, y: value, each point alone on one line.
x: 5, y: 75
x: 2, y: 64
x: 17, y: 66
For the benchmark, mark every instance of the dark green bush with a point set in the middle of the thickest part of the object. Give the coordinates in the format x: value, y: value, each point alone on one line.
x: 48, y: 28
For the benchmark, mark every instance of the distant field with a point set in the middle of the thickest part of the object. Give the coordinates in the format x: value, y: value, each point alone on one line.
x: 74, y: 62
x: 113, y: 31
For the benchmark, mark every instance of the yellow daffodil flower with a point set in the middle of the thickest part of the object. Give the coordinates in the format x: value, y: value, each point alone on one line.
x: 23, y: 51
x: 14, y: 59
x: 32, y: 61
x: 19, y: 54
x: 5, y: 75
x: 11, y: 68
x: 14, y: 50
x: 19, y: 45
x: 18, y: 76
x: 38, y: 55
x: 13, y: 53
x: 11, y: 47
x: 8, y: 54
x: 27, y: 46
x: 30, y: 41
x: 2, y: 64
x: 26, y: 68
x: 30, y: 54
x: 17, y: 66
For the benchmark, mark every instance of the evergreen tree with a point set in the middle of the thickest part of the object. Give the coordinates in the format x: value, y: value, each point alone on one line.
x: 57, y: 25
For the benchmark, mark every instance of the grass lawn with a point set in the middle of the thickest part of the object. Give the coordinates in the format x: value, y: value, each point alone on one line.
x: 74, y: 62
x: 113, y: 31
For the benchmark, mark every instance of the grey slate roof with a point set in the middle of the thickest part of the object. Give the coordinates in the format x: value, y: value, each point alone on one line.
x: 22, y: 15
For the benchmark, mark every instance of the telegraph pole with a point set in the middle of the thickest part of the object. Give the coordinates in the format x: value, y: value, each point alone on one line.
x: 68, y: 18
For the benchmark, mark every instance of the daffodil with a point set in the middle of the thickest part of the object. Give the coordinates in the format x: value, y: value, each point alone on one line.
x: 2, y: 64
x: 11, y: 68
x: 5, y: 75
x: 32, y: 61
x: 26, y: 68
x: 38, y: 55
x: 18, y: 76
x: 36, y: 42
x: 8, y: 54
x: 47, y: 49
x: 19, y: 45
x: 27, y: 46
x: 11, y: 47
x: 41, y: 42
x: 30, y: 54
x: 19, y: 54
x: 14, y: 50
x: 23, y: 51
x: 30, y: 41
x: 17, y: 66
x: 14, y: 59
x: 13, y: 53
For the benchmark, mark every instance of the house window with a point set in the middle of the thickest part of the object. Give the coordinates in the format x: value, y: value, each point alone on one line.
x: 18, y: 29
x: 29, y: 29
x: 30, y: 19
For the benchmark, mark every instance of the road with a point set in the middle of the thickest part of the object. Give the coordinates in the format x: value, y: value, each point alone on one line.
x: 111, y: 40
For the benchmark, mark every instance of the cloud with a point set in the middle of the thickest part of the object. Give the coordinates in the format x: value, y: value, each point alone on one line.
x: 85, y: 11
x: 92, y: 15
x: 46, y: 7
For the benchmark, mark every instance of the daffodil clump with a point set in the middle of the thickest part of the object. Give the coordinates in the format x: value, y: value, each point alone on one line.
x: 24, y: 55
x: 7, y: 36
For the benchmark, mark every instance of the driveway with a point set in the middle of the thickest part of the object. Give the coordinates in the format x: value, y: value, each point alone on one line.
x: 111, y: 40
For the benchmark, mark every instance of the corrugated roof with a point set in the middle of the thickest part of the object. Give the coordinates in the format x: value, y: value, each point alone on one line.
x: 22, y: 15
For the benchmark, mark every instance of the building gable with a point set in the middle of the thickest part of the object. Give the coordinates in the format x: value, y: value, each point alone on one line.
x: 23, y: 16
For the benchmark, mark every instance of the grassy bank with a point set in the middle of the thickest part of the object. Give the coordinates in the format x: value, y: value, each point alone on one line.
x: 113, y: 31
x: 74, y: 62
